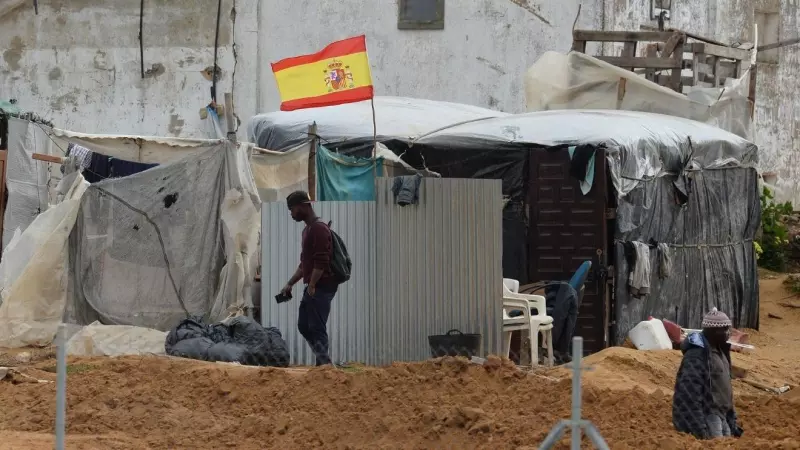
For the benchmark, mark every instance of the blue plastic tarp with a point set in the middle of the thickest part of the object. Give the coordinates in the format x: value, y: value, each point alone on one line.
x: 346, y: 178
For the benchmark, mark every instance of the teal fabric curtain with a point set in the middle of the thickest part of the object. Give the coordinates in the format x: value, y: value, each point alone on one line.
x: 346, y: 178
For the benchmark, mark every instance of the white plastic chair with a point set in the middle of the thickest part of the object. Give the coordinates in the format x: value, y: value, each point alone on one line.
x: 533, y: 324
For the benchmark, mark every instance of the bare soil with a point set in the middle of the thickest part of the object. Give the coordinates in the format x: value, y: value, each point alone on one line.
x: 167, y: 403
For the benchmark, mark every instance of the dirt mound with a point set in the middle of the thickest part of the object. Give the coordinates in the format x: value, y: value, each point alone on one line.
x: 620, y: 368
x: 449, y: 403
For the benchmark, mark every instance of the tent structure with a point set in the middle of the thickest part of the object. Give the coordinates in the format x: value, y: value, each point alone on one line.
x: 656, y: 179
x: 146, y: 250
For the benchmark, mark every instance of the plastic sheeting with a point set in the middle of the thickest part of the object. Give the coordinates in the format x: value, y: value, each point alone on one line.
x: 31, y: 182
x: 346, y: 178
x: 33, y: 273
x: 578, y: 81
x: 711, y: 247
x: 398, y: 118
x: 639, y: 146
x: 176, y: 240
x: 26, y: 179
x: 116, y: 340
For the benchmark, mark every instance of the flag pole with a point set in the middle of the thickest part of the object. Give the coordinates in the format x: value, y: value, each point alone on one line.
x: 374, y: 145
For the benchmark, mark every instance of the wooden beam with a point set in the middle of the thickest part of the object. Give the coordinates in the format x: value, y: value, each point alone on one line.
x: 629, y: 51
x: 48, y: 158
x: 718, y: 50
x: 779, y: 44
x: 620, y: 36
x: 677, y: 59
x: 312, y: 162
x: 752, y: 92
x: 644, y: 63
x: 696, y: 37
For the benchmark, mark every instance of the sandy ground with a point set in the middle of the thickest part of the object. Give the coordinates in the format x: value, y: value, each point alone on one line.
x: 164, y: 403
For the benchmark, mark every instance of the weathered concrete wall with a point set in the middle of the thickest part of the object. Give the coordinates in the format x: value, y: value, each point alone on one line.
x: 479, y: 58
x: 77, y: 63
x: 777, y: 126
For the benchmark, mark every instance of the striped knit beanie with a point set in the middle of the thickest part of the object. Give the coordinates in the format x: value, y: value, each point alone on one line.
x: 716, y: 319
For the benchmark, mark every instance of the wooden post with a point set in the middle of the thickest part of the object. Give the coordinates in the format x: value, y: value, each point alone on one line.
x: 312, y: 162
x: 3, y: 160
x: 229, y: 116
x: 752, y: 93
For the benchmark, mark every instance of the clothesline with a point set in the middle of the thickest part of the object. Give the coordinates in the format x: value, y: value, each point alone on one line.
x: 725, y: 244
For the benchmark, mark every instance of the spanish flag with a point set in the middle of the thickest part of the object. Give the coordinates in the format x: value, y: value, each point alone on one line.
x: 338, y: 74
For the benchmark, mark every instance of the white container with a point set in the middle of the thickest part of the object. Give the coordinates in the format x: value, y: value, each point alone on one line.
x: 650, y: 335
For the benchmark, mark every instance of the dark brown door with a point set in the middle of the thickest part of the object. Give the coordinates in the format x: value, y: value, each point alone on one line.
x: 566, y: 229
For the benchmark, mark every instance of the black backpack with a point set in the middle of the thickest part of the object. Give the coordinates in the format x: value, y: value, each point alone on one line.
x: 341, y: 265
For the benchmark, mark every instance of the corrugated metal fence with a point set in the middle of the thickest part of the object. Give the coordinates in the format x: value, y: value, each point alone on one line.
x: 353, y: 318
x: 439, y: 265
x: 417, y: 271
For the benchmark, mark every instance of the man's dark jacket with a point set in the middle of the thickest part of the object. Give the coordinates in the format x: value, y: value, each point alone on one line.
x: 691, y: 403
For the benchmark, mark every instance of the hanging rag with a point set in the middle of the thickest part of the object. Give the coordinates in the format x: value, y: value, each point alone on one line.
x: 82, y: 155
x: 346, y: 178
x: 122, y: 168
x: 99, y: 168
x: 582, y: 165
x: 406, y: 189
x: 664, y: 261
x: 639, y: 279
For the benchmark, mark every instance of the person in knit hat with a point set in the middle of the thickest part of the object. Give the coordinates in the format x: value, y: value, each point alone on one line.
x: 702, y: 404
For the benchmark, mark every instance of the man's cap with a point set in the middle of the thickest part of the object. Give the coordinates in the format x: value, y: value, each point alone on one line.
x: 297, y: 198
x: 716, y: 319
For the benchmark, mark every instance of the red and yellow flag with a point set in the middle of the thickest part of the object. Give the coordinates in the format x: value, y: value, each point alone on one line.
x: 338, y: 74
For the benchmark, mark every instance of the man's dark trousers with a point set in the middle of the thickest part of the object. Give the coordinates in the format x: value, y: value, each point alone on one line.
x: 313, y: 321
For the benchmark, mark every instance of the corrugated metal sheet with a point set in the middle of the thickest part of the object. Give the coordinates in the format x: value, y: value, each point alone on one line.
x: 353, y: 318
x: 439, y: 266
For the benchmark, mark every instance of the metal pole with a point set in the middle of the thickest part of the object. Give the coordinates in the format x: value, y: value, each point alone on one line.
x: 577, y: 354
x: 61, y: 386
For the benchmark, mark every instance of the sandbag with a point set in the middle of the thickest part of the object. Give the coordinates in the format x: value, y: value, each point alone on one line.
x: 239, y: 340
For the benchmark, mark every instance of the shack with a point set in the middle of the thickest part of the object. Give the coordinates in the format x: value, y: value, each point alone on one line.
x: 582, y: 185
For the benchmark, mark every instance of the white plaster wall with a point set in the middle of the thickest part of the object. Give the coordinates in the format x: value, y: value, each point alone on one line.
x: 479, y: 58
x: 77, y: 63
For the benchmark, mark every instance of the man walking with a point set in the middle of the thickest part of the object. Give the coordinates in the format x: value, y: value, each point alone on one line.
x: 703, y: 401
x: 315, y: 271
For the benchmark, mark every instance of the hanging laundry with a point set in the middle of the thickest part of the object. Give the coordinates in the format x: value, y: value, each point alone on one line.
x: 664, y: 261
x: 99, y: 168
x: 406, y: 189
x: 102, y: 167
x: 582, y: 165
x: 82, y: 155
x: 639, y: 278
x: 121, y: 168
x: 346, y: 178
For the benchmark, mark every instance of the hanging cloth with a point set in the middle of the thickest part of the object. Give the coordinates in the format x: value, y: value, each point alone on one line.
x: 346, y: 178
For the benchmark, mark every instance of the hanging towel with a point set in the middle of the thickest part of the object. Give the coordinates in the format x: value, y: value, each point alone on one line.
x: 582, y: 166
x: 346, y: 178
x: 406, y: 189
x: 122, y: 168
x: 664, y: 261
x: 639, y: 279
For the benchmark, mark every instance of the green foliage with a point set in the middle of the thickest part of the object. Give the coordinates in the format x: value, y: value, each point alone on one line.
x: 774, y: 233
